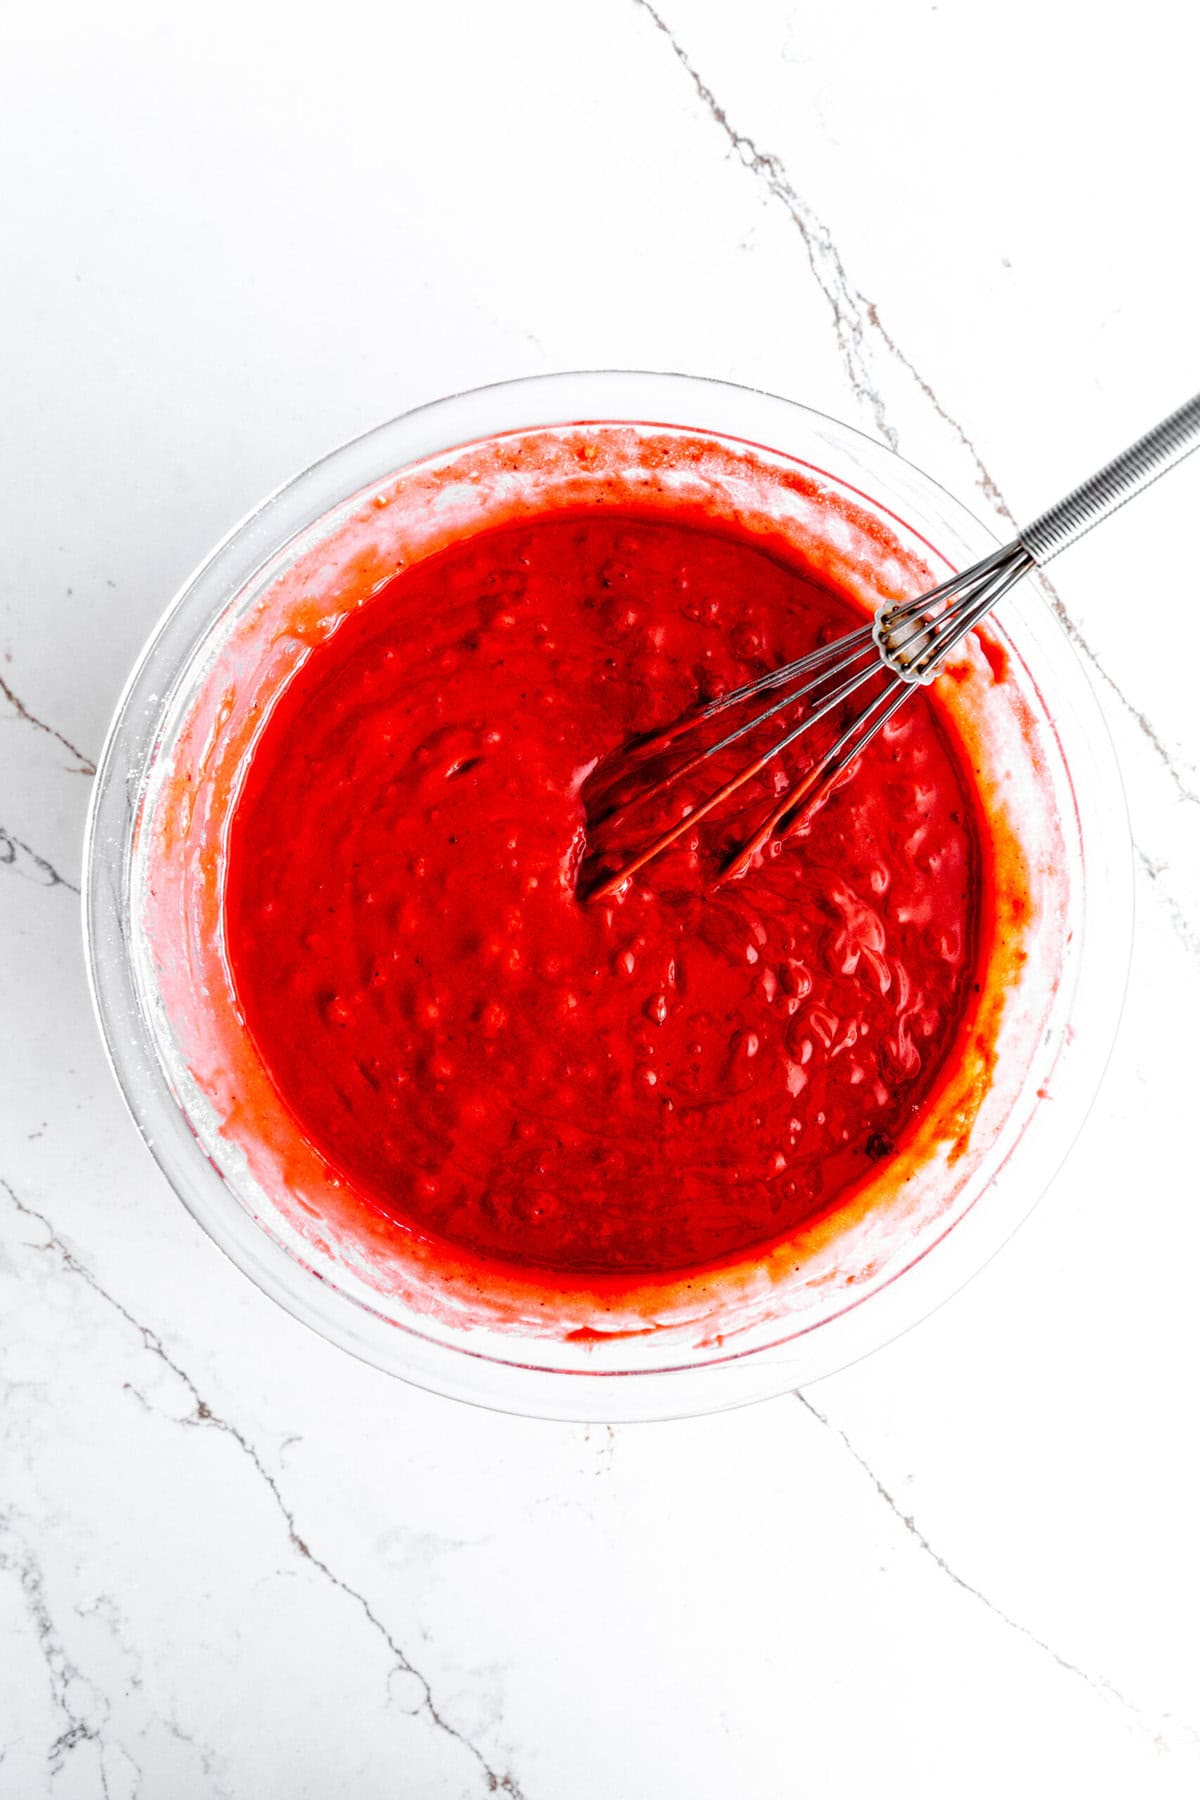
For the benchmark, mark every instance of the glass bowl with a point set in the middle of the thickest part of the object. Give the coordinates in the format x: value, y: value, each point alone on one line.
x: 163, y: 994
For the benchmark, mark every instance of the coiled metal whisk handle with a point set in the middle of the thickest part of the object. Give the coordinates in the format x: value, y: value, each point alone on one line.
x: 1118, y: 481
x: 914, y: 637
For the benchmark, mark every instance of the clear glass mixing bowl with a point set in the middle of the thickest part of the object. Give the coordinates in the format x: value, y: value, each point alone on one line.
x: 847, y: 1289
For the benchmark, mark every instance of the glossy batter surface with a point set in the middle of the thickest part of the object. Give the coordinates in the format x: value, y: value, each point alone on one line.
x: 639, y: 1085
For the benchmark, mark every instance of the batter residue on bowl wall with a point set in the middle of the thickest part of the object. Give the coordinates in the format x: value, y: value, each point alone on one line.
x: 500, y: 1109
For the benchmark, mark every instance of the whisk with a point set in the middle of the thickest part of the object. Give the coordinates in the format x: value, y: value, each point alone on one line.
x: 907, y: 644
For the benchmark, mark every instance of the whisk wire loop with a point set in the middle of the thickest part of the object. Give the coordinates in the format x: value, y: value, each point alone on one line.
x: 907, y: 645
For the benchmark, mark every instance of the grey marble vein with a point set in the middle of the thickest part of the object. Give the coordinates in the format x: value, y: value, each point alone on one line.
x: 23, y: 860
x: 1098, y: 1683
x: 64, y: 1677
x: 204, y: 1757
x: 850, y: 310
x: 203, y: 1416
x: 1188, y: 936
x: 860, y: 331
x: 104, y: 1607
x: 85, y: 764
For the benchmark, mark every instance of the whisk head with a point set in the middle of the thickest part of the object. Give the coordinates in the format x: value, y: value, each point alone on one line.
x: 655, y: 790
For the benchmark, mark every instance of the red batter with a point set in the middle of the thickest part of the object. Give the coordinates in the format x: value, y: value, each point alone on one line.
x: 637, y: 1085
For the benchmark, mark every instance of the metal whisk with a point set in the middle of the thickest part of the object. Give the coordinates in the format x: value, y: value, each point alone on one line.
x: 907, y: 644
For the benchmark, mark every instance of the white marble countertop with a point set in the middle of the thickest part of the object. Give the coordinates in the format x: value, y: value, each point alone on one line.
x: 233, y: 1562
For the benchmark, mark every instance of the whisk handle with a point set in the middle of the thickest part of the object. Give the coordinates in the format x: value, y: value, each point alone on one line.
x: 1118, y: 481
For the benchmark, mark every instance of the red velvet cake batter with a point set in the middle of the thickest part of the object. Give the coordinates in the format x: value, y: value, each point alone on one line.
x: 638, y: 1085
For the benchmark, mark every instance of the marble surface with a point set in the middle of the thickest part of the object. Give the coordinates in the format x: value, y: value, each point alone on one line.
x: 232, y: 1561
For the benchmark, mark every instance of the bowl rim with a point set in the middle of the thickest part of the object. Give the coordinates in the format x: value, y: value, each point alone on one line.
x: 519, y: 1385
